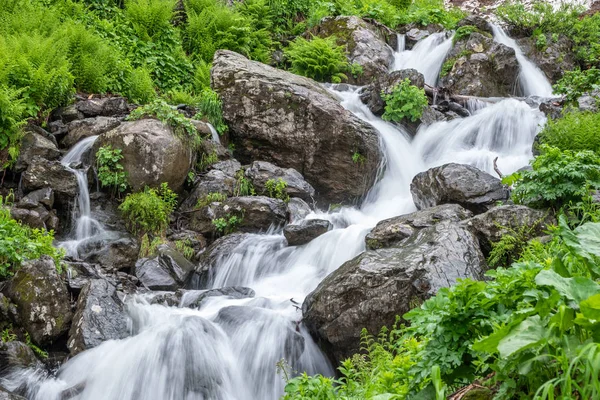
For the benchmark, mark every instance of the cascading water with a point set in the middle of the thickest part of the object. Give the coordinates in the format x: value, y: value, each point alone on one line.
x: 532, y: 79
x: 228, y: 348
x: 214, y: 134
x: 427, y: 56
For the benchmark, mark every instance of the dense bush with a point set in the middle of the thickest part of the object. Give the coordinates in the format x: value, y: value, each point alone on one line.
x: 320, y: 59
x: 12, y: 110
x: 147, y: 212
x: 576, y: 83
x: 404, y: 101
x: 110, y: 170
x: 573, y: 131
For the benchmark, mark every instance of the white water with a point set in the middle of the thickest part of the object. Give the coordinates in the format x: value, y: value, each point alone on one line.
x: 228, y: 348
x: 214, y: 134
x: 427, y: 56
x: 532, y: 80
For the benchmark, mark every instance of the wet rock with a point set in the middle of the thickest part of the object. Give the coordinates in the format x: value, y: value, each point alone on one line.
x: 481, y: 67
x: 215, y: 181
x: 371, y: 95
x: 190, y: 239
x: 32, y: 145
x: 298, y: 209
x: 66, y: 114
x: 554, y: 58
x: 79, y: 274
x: 152, y: 153
x: 32, y: 200
x: 195, y: 298
x: 115, y: 254
x: 99, y: 317
x: 85, y: 128
x: 16, y: 355
x: 6, y: 395
x: 499, y: 221
x: 305, y: 231
x: 104, y: 107
x: 477, y: 21
x: 222, y: 247
x: 42, y: 173
x: 370, y: 290
x: 364, y: 43
x: 42, y: 300
x: 293, y: 122
x: 228, y: 167
x: 414, y: 33
x: 260, y: 172
x: 168, y: 271
x: 465, y: 185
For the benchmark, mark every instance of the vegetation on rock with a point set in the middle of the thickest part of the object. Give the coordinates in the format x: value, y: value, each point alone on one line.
x: 148, y: 211
x: 404, y: 101
x: 110, y: 171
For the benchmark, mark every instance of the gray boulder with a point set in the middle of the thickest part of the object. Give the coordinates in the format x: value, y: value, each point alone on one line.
x: 42, y: 300
x: 16, y: 355
x: 211, y: 257
x: 32, y: 200
x: 305, y: 231
x: 371, y: 95
x: 33, y: 144
x: 370, y: 290
x: 393, y: 231
x: 195, y: 298
x: 364, y: 43
x: 81, y: 129
x: 260, y: 172
x: 298, y: 209
x: 293, y: 122
x: 119, y: 253
x: 215, y: 181
x: 99, y: 317
x: 42, y: 174
x: 465, y: 185
x: 152, y: 153
x: 6, y: 395
x: 553, y: 59
x: 104, y: 107
x: 168, y: 271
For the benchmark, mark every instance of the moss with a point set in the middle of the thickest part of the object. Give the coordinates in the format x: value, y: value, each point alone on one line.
x: 479, y: 393
x: 373, y: 244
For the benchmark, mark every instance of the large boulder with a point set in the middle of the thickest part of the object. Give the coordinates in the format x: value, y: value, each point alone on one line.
x: 365, y: 45
x: 152, y: 153
x: 84, y: 128
x: 371, y: 95
x: 293, y: 122
x: 42, y: 173
x: 298, y: 209
x: 479, y: 66
x: 393, y: 231
x: 16, y: 355
x: 99, y: 317
x: 215, y: 181
x: 33, y: 144
x: 42, y: 300
x: 195, y: 298
x: 169, y: 270
x: 214, y: 254
x: 307, y: 230
x: 261, y: 172
x: 370, y: 290
x: 461, y: 184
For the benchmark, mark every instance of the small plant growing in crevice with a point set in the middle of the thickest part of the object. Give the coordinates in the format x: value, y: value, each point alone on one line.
x: 405, y: 101
x: 243, y: 186
x: 228, y: 224
x: 38, y: 352
x: 149, y: 248
x: 212, y: 197
x: 277, y: 189
x: 210, y: 109
x: 8, y: 335
x: 147, y: 212
x: 206, y: 160
x: 184, y: 247
x: 111, y: 174
x: 358, y: 158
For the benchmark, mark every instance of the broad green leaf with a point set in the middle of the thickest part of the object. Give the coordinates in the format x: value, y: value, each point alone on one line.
x: 590, y: 307
x: 588, y: 236
x: 524, y: 335
x: 577, y: 289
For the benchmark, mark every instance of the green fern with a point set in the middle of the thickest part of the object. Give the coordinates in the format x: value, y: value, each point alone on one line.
x: 320, y: 59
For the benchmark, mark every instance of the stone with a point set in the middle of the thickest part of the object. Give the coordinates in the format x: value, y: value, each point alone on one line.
x: 6, y: 395
x: 35, y: 145
x: 42, y: 300
x: 293, y: 122
x: 393, y: 231
x: 85, y: 128
x: 298, y: 209
x: 195, y: 298
x: 104, y: 107
x: 370, y: 290
x: 365, y: 45
x: 371, y: 95
x: 152, y: 153
x: 168, y: 271
x: 260, y: 172
x: 31, y: 218
x: 99, y: 317
x: 119, y: 254
x: 477, y: 21
x: 214, y: 181
x: 554, y: 58
x: 465, y: 185
x: 307, y: 230
x: 16, y: 355
x: 32, y: 200
x: 210, y: 258
x: 42, y: 174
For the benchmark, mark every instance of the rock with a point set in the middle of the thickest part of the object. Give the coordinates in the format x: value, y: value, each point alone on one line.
x: 293, y: 122
x: 66, y: 114
x: 215, y: 181
x: 365, y: 45
x: 168, y: 271
x: 298, y: 209
x: 152, y: 154
x: 481, y: 67
x: 373, y: 288
x: 554, y: 58
x: 195, y: 298
x: 371, y: 95
x: 225, y: 245
x: 465, y: 185
x: 415, y: 32
x: 99, y: 317
x: 589, y: 102
x: 120, y: 254
x: 32, y: 218
x: 228, y: 167
x: 391, y: 232
x: 42, y: 300
x: 32, y: 145
x: 190, y: 239
x: 32, y: 200
x: 85, y: 128
x: 104, y: 107
x: 306, y: 231
x: 42, y: 174
x: 80, y: 274
x: 16, y: 355
x: 475, y: 20
x: 6, y: 395
x: 260, y: 172
x: 490, y: 226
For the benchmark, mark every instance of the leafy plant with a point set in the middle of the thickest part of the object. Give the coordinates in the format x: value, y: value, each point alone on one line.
x: 8, y: 335
x: 512, y: 244
x: 320, y: 59
x: 12, y: 109
x: 184, y: 247
x: 206, y: 160
x: 110, y: 171
x: 464, y: 32
x: 147, y: 212
x: 228, y: 224
x: 243, y: 186
x: 404, y: 101
x: 38, y: 351
x: 575, y: 131
x: 277, y: 189
x: 576, y: 83
x: 210, y: 109
x: 212, y: 197
x: 149, y: 248
x: 358, y: 158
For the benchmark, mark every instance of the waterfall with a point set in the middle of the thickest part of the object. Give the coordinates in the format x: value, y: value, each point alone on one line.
x: 532, y: 79
x: 228, y: 348
x: 214, y: 133
x: 427, y: 56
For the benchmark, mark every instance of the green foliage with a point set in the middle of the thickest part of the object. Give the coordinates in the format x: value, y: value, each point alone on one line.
x: 110, y: 171
x: 210, y: 109
x: 512, y: 244
x: 19, y: 243
x: 11, y: 114
x: 228, y: 224
x: 147, y: 212
x: 558, y: 177
x: 464, y: 32
x: 540, y: 42
x: 405, y: 101
x: 150, y: 18
x: 425, y: 12
x: 206, y: 160
x: 277, y: 189
x: 243, y: 186
x: 140, y: 86
x: 320, y: 59
x: 576, y: 83
x: 358, y: 158
x: 38, y: 352
x: 7, y: 335
x: 212, y: 197
x: 573, y: 131
x: 184, y: 247
x: 149, y: 248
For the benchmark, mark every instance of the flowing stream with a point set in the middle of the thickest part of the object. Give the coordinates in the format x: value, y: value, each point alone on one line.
x: 229, y: 348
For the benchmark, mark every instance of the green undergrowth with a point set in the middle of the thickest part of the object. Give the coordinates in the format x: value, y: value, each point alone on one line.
x: 147, y: 212
x: 404, y: 102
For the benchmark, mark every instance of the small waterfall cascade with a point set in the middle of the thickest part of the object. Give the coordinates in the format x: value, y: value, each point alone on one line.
x: 86, y: 227
x: 427, y: 56
x: 227, y: 349
x: 214, y: 134
x: 532, y: 80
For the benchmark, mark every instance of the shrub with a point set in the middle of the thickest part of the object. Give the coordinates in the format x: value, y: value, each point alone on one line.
x: 147, y: 212
x: 139, y: 86
x: 12, y: 110
x: 319, y: 59
x: 110, y: 171
x: 464, y: 32
x: 405, y: 101
x: 576, y: 83
x: 210, y: 109
x: 212, y: 197
x: 425, y: 12
x: 228, y: 224
x: 243, y: 186
x: 277, y: 189
x: 206, y: 160
x: 574, y: 131
x: 202, y: 76
x: 150, y: 18
x: 557, y: 178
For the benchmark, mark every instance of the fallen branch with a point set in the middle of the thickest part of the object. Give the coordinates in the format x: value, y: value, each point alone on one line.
x: 497, y: 169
